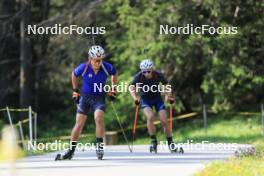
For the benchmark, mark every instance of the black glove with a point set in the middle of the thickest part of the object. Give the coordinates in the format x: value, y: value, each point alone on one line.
x: 76, y: 96
x: 112, y: 96
x: 137, y: 102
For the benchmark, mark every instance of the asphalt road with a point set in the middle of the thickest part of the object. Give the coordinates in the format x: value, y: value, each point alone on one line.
x: 118, y: 161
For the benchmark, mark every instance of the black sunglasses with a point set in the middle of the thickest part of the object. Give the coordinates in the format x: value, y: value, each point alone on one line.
x: 146, y: 71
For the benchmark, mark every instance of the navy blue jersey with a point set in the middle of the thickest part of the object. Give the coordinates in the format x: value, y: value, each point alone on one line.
x: 140, y: 80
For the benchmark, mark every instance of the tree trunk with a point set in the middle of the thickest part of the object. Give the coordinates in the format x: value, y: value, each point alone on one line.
x: 25, y: 56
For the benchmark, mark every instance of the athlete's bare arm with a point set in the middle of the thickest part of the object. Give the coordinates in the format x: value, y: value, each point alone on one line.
x: 75, y: 82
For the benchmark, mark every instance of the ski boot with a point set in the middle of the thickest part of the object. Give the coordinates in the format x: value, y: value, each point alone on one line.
x: 67, y: 156
x: 153, y: 146
x: 174, y: 149
x: 99, y: 150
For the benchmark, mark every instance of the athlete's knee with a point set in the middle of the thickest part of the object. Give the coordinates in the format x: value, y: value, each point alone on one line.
x: 150, y: 117
x: 98, y: 119
x: 80, y: 121
x: 164, y: 122
x: 79, y: 125
x: 163, y: 117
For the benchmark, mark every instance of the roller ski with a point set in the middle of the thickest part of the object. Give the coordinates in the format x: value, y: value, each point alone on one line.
x: 174, y: 149
x: 99, y: 151
x: 67, y: 156
x: 177, y: 150
x: 153, y: 147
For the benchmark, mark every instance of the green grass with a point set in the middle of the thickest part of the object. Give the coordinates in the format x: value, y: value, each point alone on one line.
x: 247, y: 166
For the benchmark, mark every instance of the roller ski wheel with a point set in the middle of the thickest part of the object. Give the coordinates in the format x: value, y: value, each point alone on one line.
x: 153, y: 148
x: 174, y: 148
x: 67, y: 156
x: 181, y: 150
x: 177, y: 150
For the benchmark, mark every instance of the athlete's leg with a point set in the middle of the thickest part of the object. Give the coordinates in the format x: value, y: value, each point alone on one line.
x: 99, y: 132
x: 99, y: 122
x: 160, y: 108
x: 75, y: 134
x: 164, y: 121
x: 82, y: 110
x: 77, y: 129
x: 150, y: 120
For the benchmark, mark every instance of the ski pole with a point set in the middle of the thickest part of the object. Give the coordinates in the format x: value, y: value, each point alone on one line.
x: 121, y: 127
x: 135, y: 124
x: 171, y: 117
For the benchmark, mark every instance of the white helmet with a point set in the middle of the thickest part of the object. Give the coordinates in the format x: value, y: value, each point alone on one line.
x: 146, y: 64
x: 96, y: 51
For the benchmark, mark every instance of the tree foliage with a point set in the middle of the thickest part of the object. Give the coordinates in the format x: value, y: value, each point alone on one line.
x: 223, y: 71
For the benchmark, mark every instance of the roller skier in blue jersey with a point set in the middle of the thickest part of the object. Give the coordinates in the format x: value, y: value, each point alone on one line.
x: 89, y: 99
